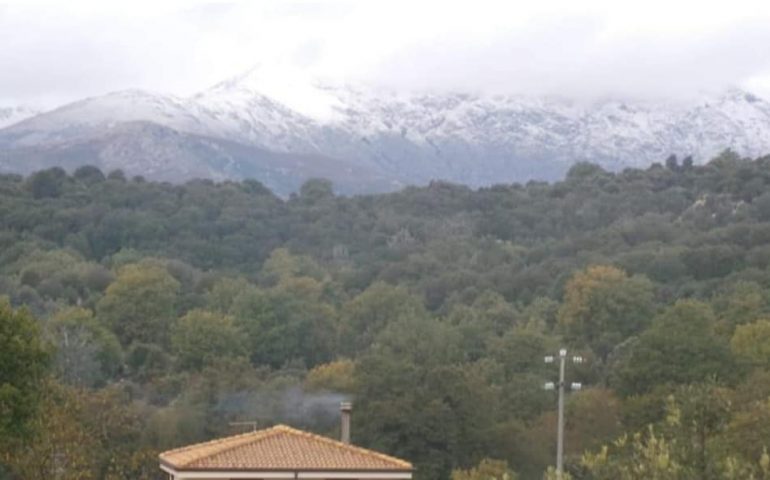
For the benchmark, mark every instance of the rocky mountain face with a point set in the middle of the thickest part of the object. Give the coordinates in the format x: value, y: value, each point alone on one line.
x: 367, y: 139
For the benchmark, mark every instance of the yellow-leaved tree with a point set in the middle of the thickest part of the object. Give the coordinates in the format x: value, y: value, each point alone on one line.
x: 603, y: 306
x: 487, y: 469
x: 752, y: 342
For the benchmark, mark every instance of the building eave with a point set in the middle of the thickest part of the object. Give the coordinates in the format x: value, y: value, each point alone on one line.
x: 318, y: 474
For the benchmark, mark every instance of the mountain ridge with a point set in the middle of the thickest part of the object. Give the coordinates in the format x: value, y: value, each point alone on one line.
x: 13, y: 115
x: 398, y: 137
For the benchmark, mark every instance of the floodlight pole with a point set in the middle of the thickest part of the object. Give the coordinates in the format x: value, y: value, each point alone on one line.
x: 561, y: 387
x: 560, y: 426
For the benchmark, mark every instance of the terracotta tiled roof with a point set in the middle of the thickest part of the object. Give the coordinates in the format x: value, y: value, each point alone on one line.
x: 279, y: 448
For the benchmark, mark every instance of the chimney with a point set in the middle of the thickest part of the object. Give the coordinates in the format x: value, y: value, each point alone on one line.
x: 345, y: 409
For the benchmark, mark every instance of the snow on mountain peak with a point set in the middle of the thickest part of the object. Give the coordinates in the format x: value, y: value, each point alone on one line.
x: 414, y: 137
x: 283, y: 84
x: 12, y: 115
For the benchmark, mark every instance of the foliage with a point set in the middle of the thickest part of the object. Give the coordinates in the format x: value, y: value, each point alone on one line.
x: 487, y: 469
x: 695, y: 415
x: 603, y: 306
x: 336, y: 376
x: 679, y: 348
x: 281, y: 325
x: 369, y: 312
x: 175, y: 309
x: 752, y: 342
x: 86, y: 352
x: 200, y: 337
x: 23, y: 363
x: 645, y: 456
x: 139, y: 305
x: 692, y: 442
x: 84, y: 435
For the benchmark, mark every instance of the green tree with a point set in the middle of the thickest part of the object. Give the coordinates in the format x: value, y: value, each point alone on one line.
x: 281, y: 266
x: 520, y: 351
x: 647, y: 456
x: 60, y: 446
x: 86, y: 352
x: 369, y: 312
x: 221, y: 297
x: 140, y: 304
x: 47, y: 183
x: 316, y: 189
x: 593, y: 419
x: 23, y: 364
x: 417, y: 399
x: 88, y: 174
x: 695, y: 415
x: 201, y: 337
x: 286, y: 323
x: 681, y: 347
x: 495, y: 312
x: 688, y: 444
x: 83, y: 435
x: 747, y: 437
x: 743, y: 303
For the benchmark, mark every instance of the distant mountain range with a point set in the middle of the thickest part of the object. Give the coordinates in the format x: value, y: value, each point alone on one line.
x: 369, y: 139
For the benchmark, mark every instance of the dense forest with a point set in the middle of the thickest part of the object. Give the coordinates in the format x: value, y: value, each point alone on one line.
x: 139, y: 316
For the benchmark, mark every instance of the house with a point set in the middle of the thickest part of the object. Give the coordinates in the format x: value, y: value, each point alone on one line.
x: 281, y: 453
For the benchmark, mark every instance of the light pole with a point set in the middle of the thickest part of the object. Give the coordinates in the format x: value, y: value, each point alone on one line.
x: 574, y: 387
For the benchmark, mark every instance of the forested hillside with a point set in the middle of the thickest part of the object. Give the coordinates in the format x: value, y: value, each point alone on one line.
x: 140, y: 316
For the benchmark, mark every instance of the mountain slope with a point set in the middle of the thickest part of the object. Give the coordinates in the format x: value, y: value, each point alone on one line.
x: 162, y: 153
x: 392, y: 138
x: 12, y: 115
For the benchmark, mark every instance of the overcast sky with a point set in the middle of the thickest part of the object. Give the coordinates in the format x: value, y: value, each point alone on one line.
x: 53, y: 52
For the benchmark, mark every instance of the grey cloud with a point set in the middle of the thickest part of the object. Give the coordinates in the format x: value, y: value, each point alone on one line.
x: 49, y: 57
x: 569, y: 57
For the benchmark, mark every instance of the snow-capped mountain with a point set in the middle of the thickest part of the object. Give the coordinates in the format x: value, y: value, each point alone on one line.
x: 11, y: 115
x: 389, y: 138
